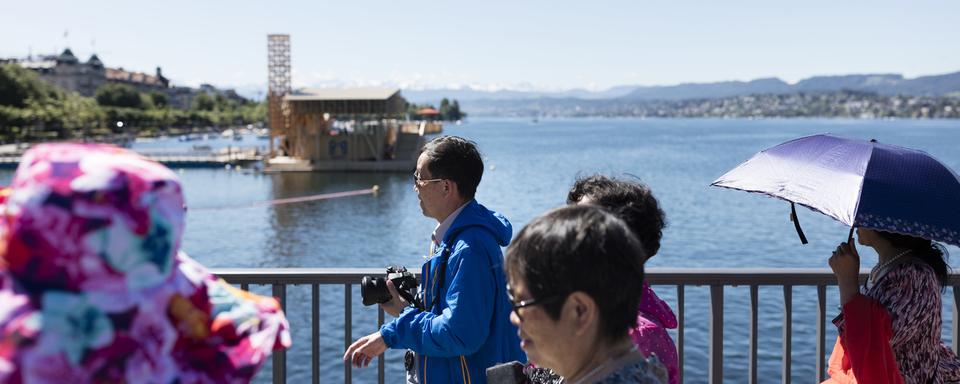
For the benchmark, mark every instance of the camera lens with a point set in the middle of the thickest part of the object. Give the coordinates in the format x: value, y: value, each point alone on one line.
x: 374, y: 290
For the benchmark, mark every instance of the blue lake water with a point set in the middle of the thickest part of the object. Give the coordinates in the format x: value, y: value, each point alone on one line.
x: 529, y: 168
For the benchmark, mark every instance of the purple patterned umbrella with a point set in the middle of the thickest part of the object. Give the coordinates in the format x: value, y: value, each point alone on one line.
x: 859, y: 183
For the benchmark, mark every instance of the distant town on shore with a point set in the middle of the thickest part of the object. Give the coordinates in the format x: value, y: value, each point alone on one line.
x: 60, y: 97
x: 847, y: 96
x: 55, y: 97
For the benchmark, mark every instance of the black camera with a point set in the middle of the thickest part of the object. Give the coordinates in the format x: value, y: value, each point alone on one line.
x: 374, y: 289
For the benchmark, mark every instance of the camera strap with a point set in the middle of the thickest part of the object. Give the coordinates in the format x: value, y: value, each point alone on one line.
x: 442, y: 265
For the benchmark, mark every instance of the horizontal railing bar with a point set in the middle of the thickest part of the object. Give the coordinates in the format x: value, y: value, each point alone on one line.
x: 654, y: 276
x: 745, y: 276
x: 264, y: 276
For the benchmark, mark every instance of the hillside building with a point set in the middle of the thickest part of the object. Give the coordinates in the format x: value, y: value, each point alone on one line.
x: 67, y: 72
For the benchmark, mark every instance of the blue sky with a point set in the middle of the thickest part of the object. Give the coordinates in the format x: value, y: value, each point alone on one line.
x: 495, y: 44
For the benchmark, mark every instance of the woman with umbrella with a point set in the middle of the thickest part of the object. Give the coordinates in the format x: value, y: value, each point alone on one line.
x: 899, y: 307
x: 901, y: 202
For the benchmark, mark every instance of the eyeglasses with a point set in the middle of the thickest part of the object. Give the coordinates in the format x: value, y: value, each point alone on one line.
x: 527, y: 303
x: 421, y: 182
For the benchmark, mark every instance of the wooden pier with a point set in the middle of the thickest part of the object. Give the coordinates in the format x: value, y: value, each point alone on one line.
x: 183, y: 159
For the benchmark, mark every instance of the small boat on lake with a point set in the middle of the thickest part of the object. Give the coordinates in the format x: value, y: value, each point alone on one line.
x: 190, y: 137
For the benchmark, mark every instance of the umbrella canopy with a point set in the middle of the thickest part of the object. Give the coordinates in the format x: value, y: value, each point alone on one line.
x: 859, y: 183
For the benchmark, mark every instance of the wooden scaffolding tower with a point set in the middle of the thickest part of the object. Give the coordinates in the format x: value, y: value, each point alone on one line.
x: 278, y: 68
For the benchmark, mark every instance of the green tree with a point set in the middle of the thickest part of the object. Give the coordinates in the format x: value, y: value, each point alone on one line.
x: 455, y: 112
x: 159, y: 99
x: 19, y: 85
x: 32, y: 110
x: 203, y: 102
x: 118, y: 95
x: 80, y: 115
x: 450, y: 111
x: 444, y: 109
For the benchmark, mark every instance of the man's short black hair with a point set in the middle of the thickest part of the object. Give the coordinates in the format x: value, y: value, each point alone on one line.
x: 457, y: 159
x: 581, y: 248
x: 631, y: 201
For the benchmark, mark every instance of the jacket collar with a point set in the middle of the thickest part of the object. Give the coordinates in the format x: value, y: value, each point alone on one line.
x: 441, y: 230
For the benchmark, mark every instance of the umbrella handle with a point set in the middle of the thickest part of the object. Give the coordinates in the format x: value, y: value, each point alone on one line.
x: 796, y: 223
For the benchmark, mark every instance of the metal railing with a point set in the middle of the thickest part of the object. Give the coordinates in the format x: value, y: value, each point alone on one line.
x: 715, y: 279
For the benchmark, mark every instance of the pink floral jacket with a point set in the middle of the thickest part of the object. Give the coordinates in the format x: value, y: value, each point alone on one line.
x: 650, y: 335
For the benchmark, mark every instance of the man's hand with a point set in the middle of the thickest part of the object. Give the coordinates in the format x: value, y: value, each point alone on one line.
x: 362, y: 351
x: 845, y: 263
x: 396, y: 303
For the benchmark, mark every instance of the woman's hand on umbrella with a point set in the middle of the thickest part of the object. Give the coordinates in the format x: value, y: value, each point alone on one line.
x: 845, y: 260
x: 845, y: 263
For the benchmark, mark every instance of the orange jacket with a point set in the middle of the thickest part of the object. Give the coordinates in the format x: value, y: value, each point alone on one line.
x: 862, y: 353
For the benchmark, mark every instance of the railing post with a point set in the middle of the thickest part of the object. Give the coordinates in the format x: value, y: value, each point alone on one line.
x: 680, y: 329
x: 315, y: 332
x: 821, y: 331
x: 754, y: 306
x: 280, y: 357
x: 716, y: 334
x: 347, y: 329
x: 956, y: 321
x: 380, y: 360
x: 787, y: 332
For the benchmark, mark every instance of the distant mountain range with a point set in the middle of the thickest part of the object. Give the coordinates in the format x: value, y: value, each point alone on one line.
x: 884, y: 84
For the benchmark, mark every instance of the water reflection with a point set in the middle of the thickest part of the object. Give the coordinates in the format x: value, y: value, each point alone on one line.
x: 357, y: 231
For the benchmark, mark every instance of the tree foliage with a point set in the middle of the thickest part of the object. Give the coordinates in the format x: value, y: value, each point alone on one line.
x: 159, y: 100
x: 449, y: 111
x: 32, y: 110
x: 119, y: 95
x: 203, y: 102
x: 18, y: 86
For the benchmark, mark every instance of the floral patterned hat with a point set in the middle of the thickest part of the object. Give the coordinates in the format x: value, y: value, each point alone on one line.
x: 93, y: 287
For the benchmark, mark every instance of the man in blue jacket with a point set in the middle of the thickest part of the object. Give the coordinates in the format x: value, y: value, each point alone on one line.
x: 463, y: 326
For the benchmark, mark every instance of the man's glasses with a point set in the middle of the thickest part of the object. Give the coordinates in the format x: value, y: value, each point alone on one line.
x: 527, y: 303
x: 421, y: 182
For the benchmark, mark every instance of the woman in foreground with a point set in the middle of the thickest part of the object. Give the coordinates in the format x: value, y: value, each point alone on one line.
x: 889, y: 331
x: 575, y: 276
x: 94, y: 288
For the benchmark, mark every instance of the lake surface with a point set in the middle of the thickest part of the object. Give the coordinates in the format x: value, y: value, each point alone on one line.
x: 529, y: 169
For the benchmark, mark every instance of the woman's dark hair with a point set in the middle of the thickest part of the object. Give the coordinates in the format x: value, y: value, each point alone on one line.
x: 581, y: 248
x: 930, y: 252
x: 631, y: 201
x: 456, y: 159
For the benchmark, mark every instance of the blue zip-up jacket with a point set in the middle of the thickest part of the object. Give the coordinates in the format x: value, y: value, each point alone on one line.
x: 467, y: 329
